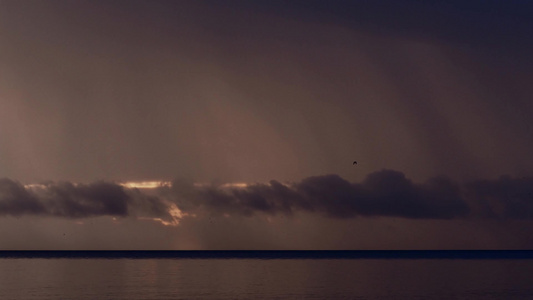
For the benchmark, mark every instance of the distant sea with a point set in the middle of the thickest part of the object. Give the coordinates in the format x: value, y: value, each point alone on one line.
x: 266, y: 275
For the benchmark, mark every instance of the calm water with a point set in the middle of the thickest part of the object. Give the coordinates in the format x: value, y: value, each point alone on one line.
x: 265, y: 279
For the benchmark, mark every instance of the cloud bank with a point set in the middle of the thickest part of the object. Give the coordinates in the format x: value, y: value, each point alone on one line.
x: 386, y: 193
x: 70, y: 200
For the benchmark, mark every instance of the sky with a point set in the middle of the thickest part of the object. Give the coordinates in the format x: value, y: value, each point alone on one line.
x: 234, y: 124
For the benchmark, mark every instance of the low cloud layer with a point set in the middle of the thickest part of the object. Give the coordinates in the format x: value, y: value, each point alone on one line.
x: 386, y: 193
x: 69, y: 200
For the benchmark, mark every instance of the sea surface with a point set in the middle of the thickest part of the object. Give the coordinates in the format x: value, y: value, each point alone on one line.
x: 257, y: 278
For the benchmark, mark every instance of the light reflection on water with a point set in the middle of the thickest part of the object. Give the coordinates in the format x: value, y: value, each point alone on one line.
x: 264, y: 279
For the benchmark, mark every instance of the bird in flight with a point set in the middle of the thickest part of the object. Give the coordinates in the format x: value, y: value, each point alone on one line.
x: 354, y: 162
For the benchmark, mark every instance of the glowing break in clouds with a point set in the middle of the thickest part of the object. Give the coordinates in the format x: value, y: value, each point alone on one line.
x: 145, y: 184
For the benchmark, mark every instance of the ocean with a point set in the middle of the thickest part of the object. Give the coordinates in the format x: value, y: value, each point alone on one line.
x: 264, y: 277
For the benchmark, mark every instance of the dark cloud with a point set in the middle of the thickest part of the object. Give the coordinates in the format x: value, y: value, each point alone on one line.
x: 69, y: 200
x: 15, y: 200
x: 394, y: 195
x: 386, y: 193
x: 271, y: 199
x: 101, y: 198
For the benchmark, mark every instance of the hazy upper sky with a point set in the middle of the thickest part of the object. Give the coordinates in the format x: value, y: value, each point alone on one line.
x: 434, y: 101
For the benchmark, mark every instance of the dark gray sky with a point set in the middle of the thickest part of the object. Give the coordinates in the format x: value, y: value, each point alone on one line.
x: 434, y: 100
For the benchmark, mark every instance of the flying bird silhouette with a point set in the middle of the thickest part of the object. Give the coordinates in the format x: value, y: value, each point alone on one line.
x: 354, y: 162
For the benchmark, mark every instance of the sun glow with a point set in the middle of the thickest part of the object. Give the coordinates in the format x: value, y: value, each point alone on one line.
x: 175, y: 216
x: 145, y: 184
x: 240, y: 185
x: 153, y: 184
x: 235, y: 185
x: 35, y: 186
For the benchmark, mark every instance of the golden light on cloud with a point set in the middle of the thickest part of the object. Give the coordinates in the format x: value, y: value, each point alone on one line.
x: 175, y: 213
x: 224, y: 185
x: 145, y: 184
x: 149, y: 185
x: 235, y: 185
x: 150, y: 203
x: 35, y: 186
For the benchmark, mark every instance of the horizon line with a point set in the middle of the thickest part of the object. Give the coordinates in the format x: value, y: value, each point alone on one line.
x: 267, y: 254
